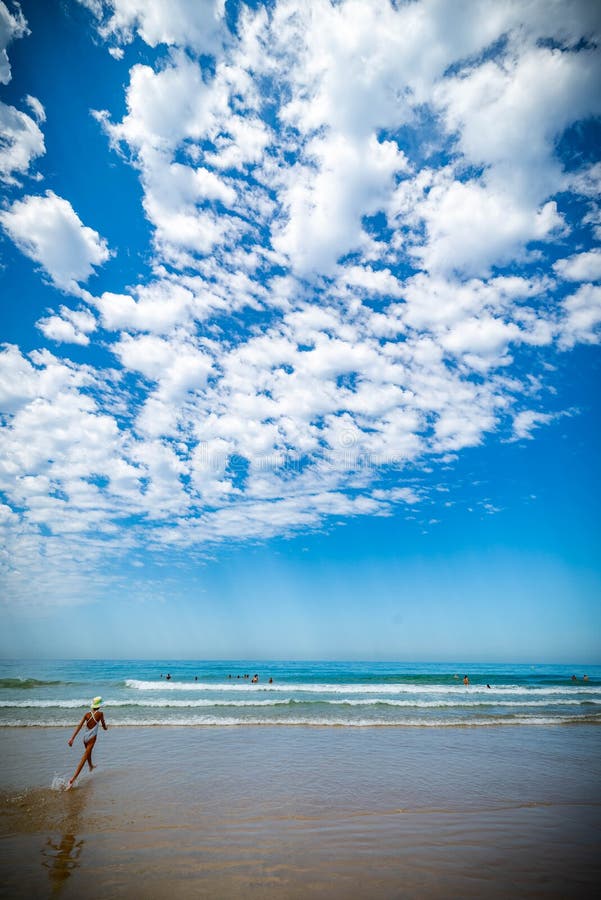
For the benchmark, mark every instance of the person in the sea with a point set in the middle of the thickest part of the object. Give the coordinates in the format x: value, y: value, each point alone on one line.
x: 466, y: 680
x: 254, y: 679
x: 89, y: 722
x: 168, y: 677
x: 585, y: 677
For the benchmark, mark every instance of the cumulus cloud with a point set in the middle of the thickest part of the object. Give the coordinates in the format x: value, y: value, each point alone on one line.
x: 159, y: 307
x: 70, y: 327
x: 507, y: 113
x: 21, y: 139
x: 582, y: 316
x: 48, y: 230
x: 470, y: 227
x: 191, y: 207
x: 580, y: 266
x: 326, y: 201
x: 183, y: 22
x: 13, y: 25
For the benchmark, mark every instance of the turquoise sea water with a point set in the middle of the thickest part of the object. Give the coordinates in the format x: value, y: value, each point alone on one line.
x: 201, y: 693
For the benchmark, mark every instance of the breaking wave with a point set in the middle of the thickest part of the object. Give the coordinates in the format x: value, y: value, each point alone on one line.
x: 324, y: 721
x: 360, y: 688
x: 25, y: 683
x: 289, y: 701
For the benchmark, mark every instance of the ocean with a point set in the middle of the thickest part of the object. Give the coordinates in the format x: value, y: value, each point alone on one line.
x: 353, y: 694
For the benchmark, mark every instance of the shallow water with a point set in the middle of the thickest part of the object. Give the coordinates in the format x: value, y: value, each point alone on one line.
x: 303, y: 812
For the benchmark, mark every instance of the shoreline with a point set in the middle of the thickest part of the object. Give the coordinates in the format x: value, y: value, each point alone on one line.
x: 303, y: 812
x: 528, y: 723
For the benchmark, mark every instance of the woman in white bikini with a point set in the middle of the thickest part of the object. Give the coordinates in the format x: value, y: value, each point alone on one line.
x: 90, y: 722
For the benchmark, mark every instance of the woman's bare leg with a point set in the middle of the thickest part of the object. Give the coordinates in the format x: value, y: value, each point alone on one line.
x: 85, y: 758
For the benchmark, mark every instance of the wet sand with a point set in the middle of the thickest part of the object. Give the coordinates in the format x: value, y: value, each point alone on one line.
x: 303, y: 812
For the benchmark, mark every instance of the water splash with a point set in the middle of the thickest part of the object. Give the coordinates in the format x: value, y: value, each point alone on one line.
x: 59, y: 783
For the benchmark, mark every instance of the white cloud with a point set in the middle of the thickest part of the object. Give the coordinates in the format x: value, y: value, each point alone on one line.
x: 483, y: 336
x: 245, y: 142
x: 70, y: 327
x: 177, y: 368
x: 159, y: 308
x: 21, y: 138
x: 582, y: 316
x: 585, y: 181
x: 164, y: 107
x: 580, y: 266
x: 48, y: 230
x: 381, y: 282
x: 174, y: 109
x: 325, y: 200
x: 471, y: 226
x: 526, y: 421
x: 13, y: 25
x: 188, y: 23
x: 55, y: 442
x: 22, y: 141
x: 507, y: 113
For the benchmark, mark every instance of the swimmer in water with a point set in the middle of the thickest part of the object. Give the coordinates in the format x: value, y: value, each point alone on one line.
x: 90, y: 722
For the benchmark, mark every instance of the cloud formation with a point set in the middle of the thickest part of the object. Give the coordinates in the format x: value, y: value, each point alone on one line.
x: 364, y: 252
x: 21, y: 139
x: 49, y: 231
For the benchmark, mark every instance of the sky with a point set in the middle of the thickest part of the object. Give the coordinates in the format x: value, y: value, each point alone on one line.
x: 300, y: 308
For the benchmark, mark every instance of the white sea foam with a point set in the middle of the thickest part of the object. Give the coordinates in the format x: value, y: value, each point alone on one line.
x: 149, y: 703
x: 174, y: 703
x: 45, y: 704
x: 457, y: 704
x: 324, y: 721
x: 457, y: 689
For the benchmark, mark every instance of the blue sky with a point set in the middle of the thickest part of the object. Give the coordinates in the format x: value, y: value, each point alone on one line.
x: 300, y: 323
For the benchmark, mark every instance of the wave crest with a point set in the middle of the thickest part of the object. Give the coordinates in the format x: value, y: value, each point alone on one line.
x: 326, y: 688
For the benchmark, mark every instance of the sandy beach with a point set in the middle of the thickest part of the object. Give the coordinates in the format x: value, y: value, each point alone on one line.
x: 303, y: 812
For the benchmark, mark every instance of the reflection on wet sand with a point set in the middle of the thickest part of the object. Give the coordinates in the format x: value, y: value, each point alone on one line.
x: 61, y: 859
x: 61, y: 856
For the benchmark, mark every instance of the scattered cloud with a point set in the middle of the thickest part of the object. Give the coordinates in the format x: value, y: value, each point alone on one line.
x: 580, y: 266
x: 70, y: 327
x: 13, y: 25
x: 582, y: 316
x: 526, y: 421
x: 48, y: 230
x: 356, y: 213
x: 21, y: 139
x: 184, y: 22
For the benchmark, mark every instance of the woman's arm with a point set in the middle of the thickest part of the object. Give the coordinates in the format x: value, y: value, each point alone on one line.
x: 102, y: 722
x: 75, y: 733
